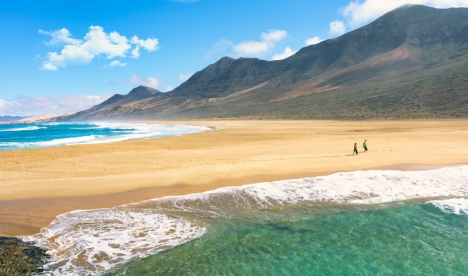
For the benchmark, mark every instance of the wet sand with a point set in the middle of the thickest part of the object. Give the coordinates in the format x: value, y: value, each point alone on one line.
x: 39, y: 184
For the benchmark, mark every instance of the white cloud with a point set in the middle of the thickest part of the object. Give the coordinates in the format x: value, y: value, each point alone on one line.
x: 222, y: 46
x: 258, y: 48
x: 149, y: 44
x: 136, y: 52
x: 62, y: 36
x: 312, y: 41
x: 250, y: 48
x: 58, y: 104
x: 169, y: 88
x: 359, y: 12
x: 98, y: 42
x: 153, y: 82
x: 116, y: 63
x: 5, y: 104
x: 337, y: 28
x: 70, y: 54
x: 95, y: 43
x: 285, y: 54
x: 184, y: 77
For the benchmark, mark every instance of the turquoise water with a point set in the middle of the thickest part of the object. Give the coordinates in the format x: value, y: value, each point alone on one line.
x: 20, y: 136
x: 418, y: 239
x: 353, y: 223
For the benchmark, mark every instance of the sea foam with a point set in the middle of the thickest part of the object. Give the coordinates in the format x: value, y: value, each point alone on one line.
x: 21, y: 129
x: 457, y: 206
x: 63, y: 134
x: 92, y: 242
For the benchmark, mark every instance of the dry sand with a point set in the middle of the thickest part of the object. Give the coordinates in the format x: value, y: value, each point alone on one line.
x: 38, y: 184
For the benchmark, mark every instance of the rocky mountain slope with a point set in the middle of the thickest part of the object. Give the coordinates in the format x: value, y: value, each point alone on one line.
x: 409, y: 63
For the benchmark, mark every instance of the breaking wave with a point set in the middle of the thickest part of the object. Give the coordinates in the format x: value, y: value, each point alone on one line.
x: 21, y: 129
x: 95, y: 241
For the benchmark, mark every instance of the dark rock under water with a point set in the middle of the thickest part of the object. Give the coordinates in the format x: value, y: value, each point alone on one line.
x: 20, y: 258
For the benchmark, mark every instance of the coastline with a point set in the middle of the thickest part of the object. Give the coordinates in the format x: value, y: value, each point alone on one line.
x: 38, y: 184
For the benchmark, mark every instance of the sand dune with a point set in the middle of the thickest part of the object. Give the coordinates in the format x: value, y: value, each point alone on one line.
x: 38, y: 184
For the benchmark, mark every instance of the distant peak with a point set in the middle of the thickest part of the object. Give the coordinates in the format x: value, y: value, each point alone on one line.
x: 227, y: 58
x: 412, y: 6
x: 144, y: 89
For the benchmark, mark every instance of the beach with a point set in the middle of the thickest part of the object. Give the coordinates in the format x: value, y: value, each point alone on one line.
x: 39, y: 184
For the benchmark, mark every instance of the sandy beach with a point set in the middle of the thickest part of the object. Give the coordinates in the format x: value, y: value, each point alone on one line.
x: 39, y: 184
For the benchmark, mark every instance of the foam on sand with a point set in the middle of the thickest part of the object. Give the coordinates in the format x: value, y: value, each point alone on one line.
x: 92, y: 242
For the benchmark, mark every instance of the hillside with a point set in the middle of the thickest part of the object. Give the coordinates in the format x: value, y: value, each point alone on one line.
x: 409, y: 63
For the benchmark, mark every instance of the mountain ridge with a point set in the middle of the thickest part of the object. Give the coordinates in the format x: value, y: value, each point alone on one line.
x: 415, y: 41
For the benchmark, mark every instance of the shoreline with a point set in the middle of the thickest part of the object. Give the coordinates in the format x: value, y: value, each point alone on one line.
x: 39, y: 184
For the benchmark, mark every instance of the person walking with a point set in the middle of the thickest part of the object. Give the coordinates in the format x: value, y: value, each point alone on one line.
x: 355, y: 149
x: 364, y: 145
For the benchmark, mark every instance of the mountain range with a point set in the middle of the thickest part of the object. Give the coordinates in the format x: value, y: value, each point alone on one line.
x: 410, y: 63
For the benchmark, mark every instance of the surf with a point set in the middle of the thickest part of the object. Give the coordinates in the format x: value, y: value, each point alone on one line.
x: 98, y: 241
x: 14, y: 137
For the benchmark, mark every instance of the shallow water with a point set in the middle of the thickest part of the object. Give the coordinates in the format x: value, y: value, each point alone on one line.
x: 363, y: 222
x: 407, y: 240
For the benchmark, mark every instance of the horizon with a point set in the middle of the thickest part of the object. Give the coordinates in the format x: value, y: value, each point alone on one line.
x: 58, y: 62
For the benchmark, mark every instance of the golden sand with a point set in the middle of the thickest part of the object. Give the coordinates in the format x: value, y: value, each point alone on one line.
x: 38, y: 184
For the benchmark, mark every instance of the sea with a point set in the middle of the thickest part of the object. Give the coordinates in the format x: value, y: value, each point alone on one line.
x: 375, y: 222
x: 23, y: 136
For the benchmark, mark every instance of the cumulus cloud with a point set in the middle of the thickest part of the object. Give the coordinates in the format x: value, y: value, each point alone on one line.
x: 58, y: 104
x: 95, y: 43
x: 62, y: 36
x: 337, y: 28
x: 250, y: 48
x: 153, y: 82
x: 116, y: 63
x: 312, y: 41
x: 169, y: 88
x: 184, y: 77
x: 149, y: 44
x: 285, y: 54
x: 258, y: 48
x: 359, y: 12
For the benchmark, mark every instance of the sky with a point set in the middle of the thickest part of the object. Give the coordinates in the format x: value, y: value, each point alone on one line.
x: 66, y: 56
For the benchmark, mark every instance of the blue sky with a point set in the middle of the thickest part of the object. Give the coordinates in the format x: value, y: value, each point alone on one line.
x: 65, y: 56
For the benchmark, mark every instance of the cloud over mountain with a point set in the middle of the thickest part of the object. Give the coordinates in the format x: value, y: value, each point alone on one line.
x: 360, y: 12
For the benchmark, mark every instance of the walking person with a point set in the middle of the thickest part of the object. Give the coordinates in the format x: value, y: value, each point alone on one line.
x: 364, y: 145
x: 355, y: 149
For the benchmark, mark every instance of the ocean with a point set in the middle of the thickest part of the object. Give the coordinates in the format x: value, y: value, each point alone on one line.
x: 378, y: 222
x: 23, y: 136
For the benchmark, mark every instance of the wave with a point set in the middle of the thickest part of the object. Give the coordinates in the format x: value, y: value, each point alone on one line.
x: 22, y: 129
x: 95, y: 241
x: 90, y: 242
x: 55, y: 142
x: 457, y: 206
x: 118, y: 132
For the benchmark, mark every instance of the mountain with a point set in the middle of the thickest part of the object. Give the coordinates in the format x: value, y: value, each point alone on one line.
x: 7, y: 119
x: 409, y: 63
x: 115, y: 103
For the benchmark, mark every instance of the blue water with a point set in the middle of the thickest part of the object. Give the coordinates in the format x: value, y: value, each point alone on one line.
x: 415, y: 239
x: 21, y: 136
x: 355, y: 223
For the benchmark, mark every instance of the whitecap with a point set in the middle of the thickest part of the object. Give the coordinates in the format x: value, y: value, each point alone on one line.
x: 92, y: 242
x: 458, y: 206
x: 22, y: 129
x: 97, y: 240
